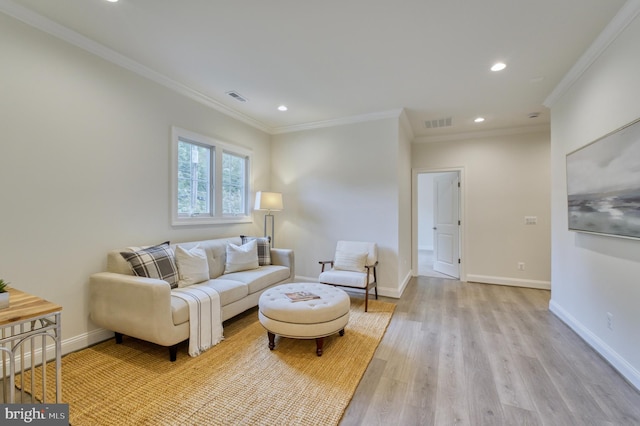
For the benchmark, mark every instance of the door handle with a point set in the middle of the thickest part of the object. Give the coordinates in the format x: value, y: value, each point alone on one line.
x: 434, y: 228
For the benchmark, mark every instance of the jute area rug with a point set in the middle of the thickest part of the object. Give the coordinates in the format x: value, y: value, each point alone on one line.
x: 238, y: 382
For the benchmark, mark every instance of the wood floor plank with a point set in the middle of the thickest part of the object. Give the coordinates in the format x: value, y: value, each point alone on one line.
x: 452, y: 406
x: 549, y: 403
x: 515, y: 340
x: 511, y: 388
x: 484, y: 407
x: 387, y: 403
x: 521, y: 417
x: 402, y: 366
x: 618, y: 402
x: 361, y: 400
x: 472, y: 354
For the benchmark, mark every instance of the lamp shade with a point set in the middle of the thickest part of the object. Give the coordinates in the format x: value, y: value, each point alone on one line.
x: 268, y: 201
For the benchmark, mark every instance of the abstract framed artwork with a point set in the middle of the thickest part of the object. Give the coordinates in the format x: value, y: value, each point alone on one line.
x: 603, y: 184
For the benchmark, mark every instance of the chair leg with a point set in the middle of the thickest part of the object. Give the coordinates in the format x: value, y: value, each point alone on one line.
x: 376, y: 289
x: 366, y: 299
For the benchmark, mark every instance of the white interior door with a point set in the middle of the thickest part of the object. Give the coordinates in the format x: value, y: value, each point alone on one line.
x: 446, y: 240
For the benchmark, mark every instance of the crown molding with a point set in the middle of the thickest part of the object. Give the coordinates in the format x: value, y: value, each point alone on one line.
x: 33, y: 19
x: 623, y: 18
x: 508, y: 131
x: 48, y: 26
x: 406, y: 124
x: 338, y: 121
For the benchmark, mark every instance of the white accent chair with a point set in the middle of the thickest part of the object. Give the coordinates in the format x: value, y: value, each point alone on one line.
x: 354, y: 265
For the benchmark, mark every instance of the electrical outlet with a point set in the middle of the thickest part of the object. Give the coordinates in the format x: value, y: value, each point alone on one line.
x: 520, y: 266
x: 610, y: 321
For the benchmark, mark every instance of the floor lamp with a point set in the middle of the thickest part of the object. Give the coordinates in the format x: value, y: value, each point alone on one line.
x: 269, y: 201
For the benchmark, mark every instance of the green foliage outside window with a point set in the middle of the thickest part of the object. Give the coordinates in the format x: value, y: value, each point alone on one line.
x: 194, y: 179
x: 233, y: 184
x: 210, y: 180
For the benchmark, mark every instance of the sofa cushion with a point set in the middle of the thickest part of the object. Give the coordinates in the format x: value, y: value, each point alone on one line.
x: 264, y: 248
x: 216, y: 250
x: 261, y: 278
x: 346, y: 278
x: 192, y: 266
x: 154, y: 262
x: 229, y: 291
x: 241, y: 258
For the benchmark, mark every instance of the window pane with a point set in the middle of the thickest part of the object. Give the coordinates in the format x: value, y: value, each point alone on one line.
x: 194, y: 179
x: 234, y: 178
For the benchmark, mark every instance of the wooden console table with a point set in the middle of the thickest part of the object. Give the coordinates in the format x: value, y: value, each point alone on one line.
x: 27, y: 325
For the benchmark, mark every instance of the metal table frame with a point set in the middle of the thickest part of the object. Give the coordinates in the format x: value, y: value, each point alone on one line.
x: 19, y: 343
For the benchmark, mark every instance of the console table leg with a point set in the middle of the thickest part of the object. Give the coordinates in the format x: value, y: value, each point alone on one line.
x: 272, y: 340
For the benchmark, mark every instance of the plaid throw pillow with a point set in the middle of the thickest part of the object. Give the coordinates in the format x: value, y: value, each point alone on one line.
x: 264, y: 248
x: 154, y: 262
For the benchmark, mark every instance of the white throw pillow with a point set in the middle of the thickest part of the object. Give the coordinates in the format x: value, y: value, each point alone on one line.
x: 192, y: 265
x: 241, y: 258
x: 349, y: 261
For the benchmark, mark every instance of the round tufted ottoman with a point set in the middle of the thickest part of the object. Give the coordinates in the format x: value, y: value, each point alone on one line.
x: 305, y: 319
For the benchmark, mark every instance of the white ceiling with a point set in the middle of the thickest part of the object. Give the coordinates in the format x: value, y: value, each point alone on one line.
x: 344, y: 59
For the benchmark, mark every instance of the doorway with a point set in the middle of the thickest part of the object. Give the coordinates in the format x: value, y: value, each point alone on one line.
x: 437, y: 227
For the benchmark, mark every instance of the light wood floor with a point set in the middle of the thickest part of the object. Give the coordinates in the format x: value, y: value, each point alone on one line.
x: 477, y: 354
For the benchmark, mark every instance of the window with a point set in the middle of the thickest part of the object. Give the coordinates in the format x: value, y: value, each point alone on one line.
x: 210, y: 180
x: 234, y: 182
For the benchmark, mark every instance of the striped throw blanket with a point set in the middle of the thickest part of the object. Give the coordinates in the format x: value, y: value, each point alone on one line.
x: 205, y: 318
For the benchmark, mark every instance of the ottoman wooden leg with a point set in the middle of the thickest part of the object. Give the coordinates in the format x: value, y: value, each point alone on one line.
x: 272, y: 340
x: 341, y: 332
x: 319, y: 343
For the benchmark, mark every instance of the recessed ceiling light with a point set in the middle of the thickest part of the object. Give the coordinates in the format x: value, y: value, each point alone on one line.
x: 479, y: 120
x: 112, y: 1
x: 282, y: 108
x: 498, y: 66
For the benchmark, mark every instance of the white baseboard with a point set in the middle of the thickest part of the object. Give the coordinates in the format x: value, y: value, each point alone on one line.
x: 85, y: 340
x: 628, y: 371
x: 397, y: 293
x: 513, y: 282
x: 72, y: 344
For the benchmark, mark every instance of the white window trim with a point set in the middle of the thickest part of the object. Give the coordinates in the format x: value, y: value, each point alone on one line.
x: 219, y: 147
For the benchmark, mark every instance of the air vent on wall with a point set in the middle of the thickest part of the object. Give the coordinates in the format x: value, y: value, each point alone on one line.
x: 440, y: 122
x: 237, y: 96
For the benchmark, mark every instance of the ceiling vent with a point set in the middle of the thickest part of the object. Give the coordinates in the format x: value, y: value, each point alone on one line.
x: 237, y: 96
x: 435, y: 124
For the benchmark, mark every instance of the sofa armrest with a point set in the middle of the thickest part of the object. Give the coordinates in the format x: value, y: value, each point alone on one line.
x: 284, y: 257
x: 131, y: 305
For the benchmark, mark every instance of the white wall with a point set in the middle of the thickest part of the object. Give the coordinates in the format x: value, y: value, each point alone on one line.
x: 593, y: 275
x: 505, y: 179
x: 405, y: 231
x: 84, y: 167
x: 339, y: 183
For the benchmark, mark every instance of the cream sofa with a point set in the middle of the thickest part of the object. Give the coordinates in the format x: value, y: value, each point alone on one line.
x: 144, y: 308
